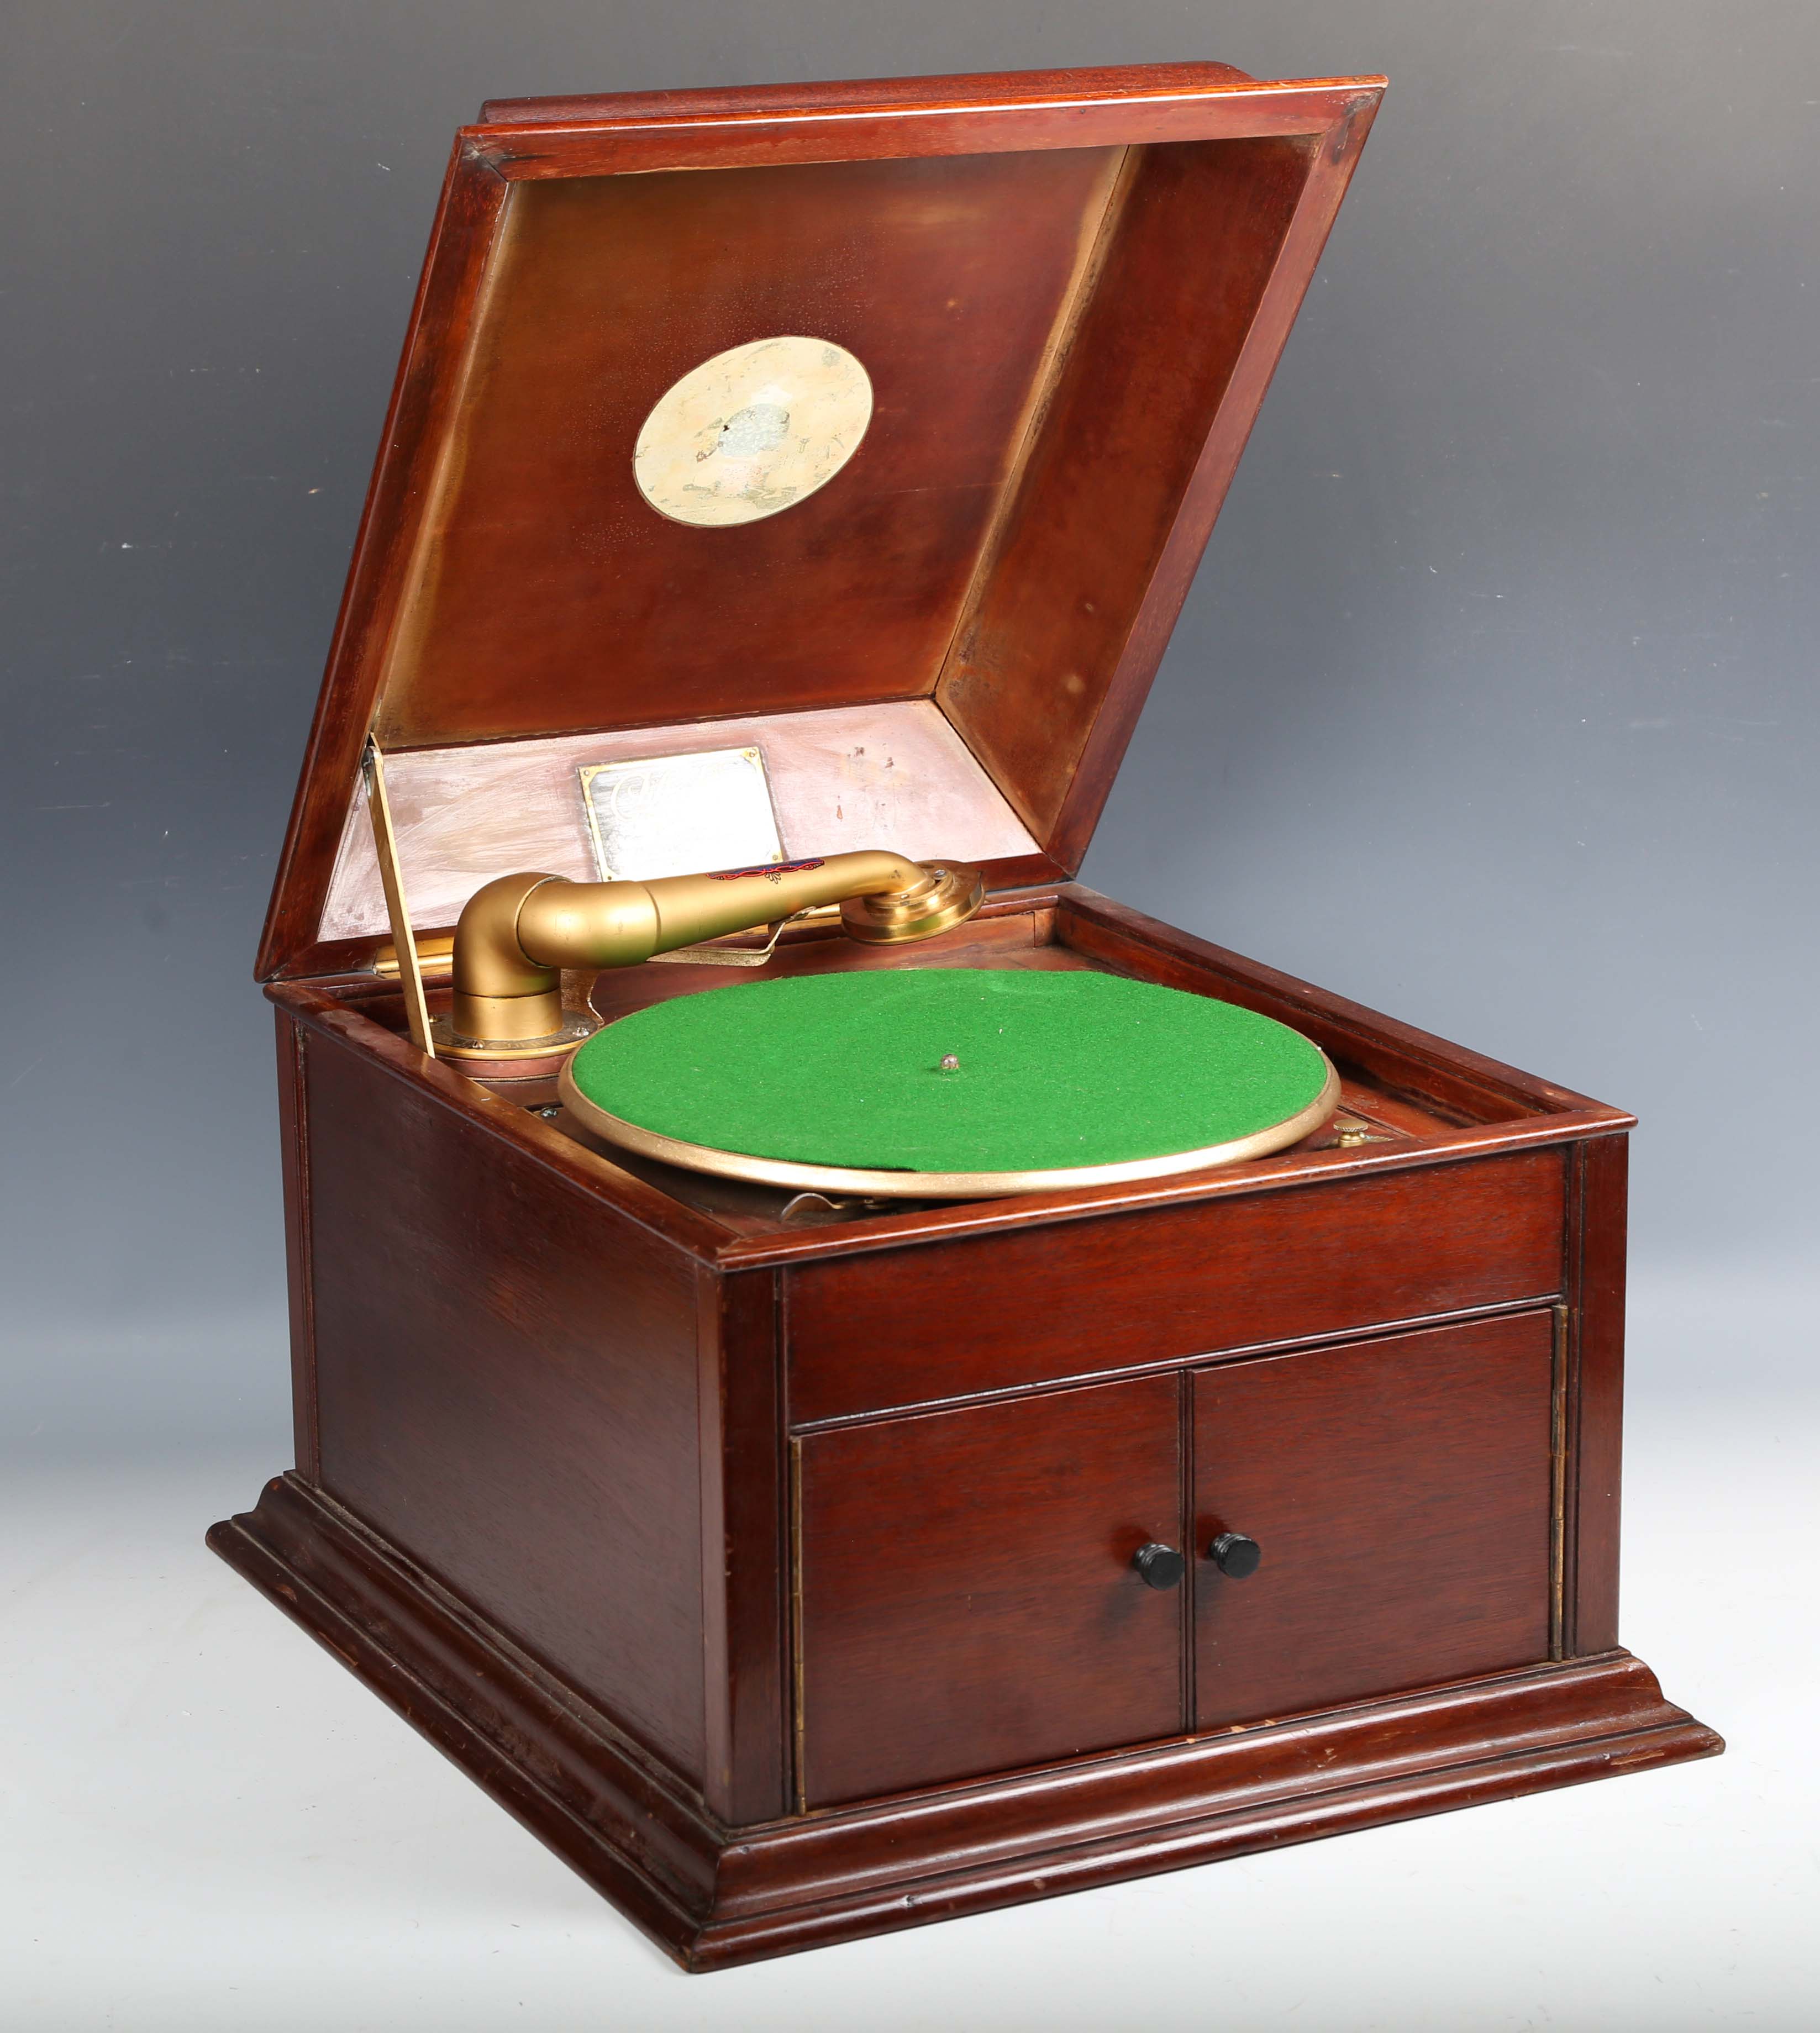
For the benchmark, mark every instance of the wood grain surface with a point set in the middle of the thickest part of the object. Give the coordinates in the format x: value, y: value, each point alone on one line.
x: 914, y: 1326
x: 744, y: 1498
x: 1400, y: 1490
x: 968, y: 1602
x: 1064, y: 626
x: 506, y: 1387
x: 774, y: 102
x: 1595, y: 1402
x: 1022, y: 110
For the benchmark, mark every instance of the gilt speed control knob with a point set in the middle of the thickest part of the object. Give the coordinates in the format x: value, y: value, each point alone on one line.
x: 1235, y: 1555
x: 1161, y: 1566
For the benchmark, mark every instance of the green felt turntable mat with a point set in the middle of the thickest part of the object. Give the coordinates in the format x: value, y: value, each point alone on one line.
x: 1054, y: 1070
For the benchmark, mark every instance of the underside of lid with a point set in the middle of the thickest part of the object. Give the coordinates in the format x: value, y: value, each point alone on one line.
x: 1064, y: 293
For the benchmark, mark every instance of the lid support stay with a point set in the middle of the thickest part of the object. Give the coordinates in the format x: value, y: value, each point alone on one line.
x: 404, y: 941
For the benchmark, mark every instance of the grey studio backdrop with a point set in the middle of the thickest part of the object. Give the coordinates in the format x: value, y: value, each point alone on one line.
x: 1493, y: 706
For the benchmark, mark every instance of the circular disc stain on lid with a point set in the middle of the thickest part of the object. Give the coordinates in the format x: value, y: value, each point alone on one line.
x: 1050, y: 1070
x: 753, y: 431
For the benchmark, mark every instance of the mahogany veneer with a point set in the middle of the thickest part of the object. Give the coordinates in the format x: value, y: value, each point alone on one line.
x: 774, y: 1562
x: 778, y: 1574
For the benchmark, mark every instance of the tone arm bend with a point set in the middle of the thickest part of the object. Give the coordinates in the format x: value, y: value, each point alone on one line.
x: 517, y: 934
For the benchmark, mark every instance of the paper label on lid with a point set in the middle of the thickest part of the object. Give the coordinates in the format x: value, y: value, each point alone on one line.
x: 753, y: 431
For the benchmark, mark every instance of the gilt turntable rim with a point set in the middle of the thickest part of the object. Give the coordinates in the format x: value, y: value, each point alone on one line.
x: 902, y: 1185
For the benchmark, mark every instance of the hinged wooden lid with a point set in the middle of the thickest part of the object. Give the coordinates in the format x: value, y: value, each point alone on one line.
x: 1067, y: 291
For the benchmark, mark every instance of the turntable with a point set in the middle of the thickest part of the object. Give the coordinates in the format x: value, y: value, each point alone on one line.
x: 969, y: 1082
x: 843, y: 1377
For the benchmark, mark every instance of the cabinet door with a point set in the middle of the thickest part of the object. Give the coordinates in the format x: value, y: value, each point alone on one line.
x: 969, y: 1601
x: 1399, y: 1492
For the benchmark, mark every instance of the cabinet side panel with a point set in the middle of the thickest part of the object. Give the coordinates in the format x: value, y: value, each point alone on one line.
x: 898, y: 1327
x: 742, y: 1576
x: 294, y: 1145
x: 506, y: 1383
x: 1596, y: 1252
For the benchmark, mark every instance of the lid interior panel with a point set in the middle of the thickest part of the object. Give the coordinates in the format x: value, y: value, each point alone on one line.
x: 547, y: 595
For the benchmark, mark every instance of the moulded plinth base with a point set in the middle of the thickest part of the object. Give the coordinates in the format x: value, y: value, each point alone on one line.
x: 713, y: 1896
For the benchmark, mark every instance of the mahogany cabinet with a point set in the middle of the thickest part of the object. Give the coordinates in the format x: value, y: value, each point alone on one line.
x: 778, y: 1564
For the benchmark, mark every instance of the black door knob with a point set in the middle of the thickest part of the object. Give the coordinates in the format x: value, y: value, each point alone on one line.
x: 1161, y: 1566
x: 1235, y: 1555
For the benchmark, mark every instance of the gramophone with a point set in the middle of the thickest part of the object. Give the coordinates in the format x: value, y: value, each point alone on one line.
x: 786, y: 500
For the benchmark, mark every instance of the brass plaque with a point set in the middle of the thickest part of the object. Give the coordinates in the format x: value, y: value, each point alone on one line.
x: 680, y: 814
